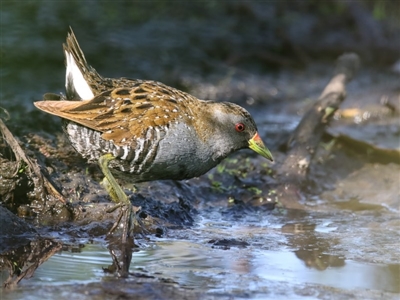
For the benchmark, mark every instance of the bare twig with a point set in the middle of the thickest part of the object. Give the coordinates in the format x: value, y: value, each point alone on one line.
x: 308, y: 133
x: 41, y: 183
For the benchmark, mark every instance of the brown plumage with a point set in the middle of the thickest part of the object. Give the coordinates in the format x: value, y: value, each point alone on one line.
x: 144, y: 128
x: 124, y: 114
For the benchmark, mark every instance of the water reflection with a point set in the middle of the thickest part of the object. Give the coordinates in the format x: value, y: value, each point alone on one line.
x: 296, y: 250
x: 312, y: 250
x: 19, y: 263
x: 199, y: 266
x: 353, y: 275
x: 121, y: 254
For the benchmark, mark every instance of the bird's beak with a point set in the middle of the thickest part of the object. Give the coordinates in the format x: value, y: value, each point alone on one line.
x: 256, y: 144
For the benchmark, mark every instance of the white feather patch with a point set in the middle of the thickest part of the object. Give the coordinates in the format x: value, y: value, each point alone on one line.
x: 78, y: 81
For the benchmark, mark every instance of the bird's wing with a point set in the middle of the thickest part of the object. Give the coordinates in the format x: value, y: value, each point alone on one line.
x: 123, y: 114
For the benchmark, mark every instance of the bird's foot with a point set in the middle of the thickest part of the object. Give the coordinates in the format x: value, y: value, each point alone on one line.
x: 129, y: 216
x: 127, y: 220
x: 118, y: 195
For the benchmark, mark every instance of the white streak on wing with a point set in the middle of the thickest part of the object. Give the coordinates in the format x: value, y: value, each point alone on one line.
x: 126, y: 152
x: 138, y: 150
x: 152, y: 149
x: 87, y: 136
x: 78, y: 81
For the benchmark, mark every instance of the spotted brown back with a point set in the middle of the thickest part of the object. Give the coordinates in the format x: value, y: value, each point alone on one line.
x: 124, y: 114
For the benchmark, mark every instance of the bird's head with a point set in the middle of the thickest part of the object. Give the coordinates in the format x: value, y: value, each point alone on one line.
x: 234, y: 129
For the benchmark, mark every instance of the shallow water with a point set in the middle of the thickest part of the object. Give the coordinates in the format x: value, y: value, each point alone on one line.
x: 283, y: 254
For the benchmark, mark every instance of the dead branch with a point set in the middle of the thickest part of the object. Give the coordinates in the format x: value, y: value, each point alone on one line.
x: 42, y: 185
x: 307, y: 135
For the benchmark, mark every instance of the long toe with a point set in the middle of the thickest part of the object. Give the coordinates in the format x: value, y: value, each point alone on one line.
x: 135, y: 224
x: 124, y: 224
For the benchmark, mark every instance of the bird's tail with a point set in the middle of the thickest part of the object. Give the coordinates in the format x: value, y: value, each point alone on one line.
x: 80, y: 77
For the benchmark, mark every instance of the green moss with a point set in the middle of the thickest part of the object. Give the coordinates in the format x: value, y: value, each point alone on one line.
x: 22, y: 167
x: 255, y: 190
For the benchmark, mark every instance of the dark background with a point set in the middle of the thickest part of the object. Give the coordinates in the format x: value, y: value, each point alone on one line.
x: 186, y: 43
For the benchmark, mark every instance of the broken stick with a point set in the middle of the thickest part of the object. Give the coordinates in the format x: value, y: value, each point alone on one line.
x: 42, y: 185
x: 306, y: 137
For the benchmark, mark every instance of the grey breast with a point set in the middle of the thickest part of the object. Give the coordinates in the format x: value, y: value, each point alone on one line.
x: 170, y: 152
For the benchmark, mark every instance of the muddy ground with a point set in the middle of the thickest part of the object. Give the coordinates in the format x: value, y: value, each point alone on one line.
x: 335, y: 208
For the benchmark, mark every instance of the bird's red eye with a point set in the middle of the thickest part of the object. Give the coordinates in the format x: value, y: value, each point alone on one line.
x: 239, y: 127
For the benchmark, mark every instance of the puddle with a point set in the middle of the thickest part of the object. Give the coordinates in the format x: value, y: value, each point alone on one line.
x: 71, y: 267
x: 296, y: 251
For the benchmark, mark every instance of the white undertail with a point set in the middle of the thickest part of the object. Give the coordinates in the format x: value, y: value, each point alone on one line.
x: 74, y: 78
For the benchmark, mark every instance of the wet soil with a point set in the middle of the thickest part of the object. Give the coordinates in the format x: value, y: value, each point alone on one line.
x: 240, y: 231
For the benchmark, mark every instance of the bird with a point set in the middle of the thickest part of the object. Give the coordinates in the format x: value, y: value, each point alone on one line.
x: 144, y: 130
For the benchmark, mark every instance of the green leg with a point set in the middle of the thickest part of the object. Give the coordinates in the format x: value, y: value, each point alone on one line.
x: 117, y: 195
x: 113, y: 188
